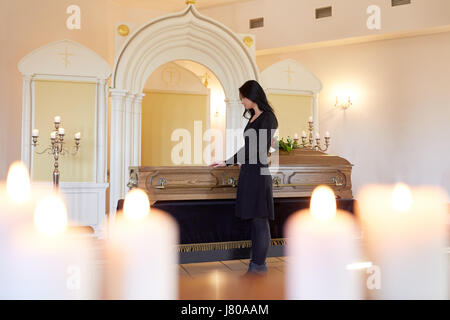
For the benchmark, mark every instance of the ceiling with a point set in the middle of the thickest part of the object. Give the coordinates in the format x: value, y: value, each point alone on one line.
x: 172, y: 5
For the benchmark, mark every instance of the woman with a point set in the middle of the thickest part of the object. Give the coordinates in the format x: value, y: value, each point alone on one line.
x: 254, y: 199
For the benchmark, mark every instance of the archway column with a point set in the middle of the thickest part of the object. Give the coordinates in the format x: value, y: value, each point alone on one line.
x: 26, y: 121
x: 137, y: 129
x: 234, y: 126
x: 117, y: 154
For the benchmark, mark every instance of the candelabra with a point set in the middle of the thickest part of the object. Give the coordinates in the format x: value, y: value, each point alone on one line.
x: 310, y: 144
x: 56, y: 147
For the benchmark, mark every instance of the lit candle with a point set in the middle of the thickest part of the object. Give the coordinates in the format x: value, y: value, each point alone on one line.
x: 310, y: 120
x: 317, y: 136
x: 77, y: 135
x: 296, y: 136
x: 35, y: 133
x: 45, y: 261
x: 321, y: 242
x: 61, y: 131
x: 53, y: 135
x: 57, y: 119
x: 303, y: 134
x: 142, y: 252
x: 405, y: 230
x: 327, y: 134
x: 36, y: 261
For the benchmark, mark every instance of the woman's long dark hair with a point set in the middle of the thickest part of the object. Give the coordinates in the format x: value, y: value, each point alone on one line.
x: 253, y: 91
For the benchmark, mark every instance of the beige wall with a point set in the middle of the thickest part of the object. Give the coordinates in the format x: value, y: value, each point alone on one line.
x: 292, y: 111
x: 398, y: 127
x: 74, y: 102
x: 162, y: 113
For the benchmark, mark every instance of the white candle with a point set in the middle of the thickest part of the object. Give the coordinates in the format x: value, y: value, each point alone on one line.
x: 77, y: 135
x: 57, y: 119
x: 405, y: 230
x: 61, y: 131
x: 317, y: 136
x: 53, y: 135
x: 310, y: 119
x: 296, y: 136
x: 48, y: 262
x: 35, y: 133
x: 33, y: 265
x: 321, y: 242
x: 327, y: 134
x: 142, y: 252
x: 303, y: 134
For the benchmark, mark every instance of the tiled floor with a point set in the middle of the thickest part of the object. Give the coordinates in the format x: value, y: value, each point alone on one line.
x: 235, y: 267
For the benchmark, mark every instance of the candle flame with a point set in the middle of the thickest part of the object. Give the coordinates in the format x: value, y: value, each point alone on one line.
x: 323, y: 203
x: 50, y: 215
x: 402, y: 199
x: 137, y: 205
x: 18, y: 182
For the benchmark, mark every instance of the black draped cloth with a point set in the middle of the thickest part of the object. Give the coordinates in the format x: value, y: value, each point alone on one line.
x: 213, y: 221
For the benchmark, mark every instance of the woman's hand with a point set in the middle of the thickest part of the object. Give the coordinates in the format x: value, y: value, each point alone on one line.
x: 218, y: 164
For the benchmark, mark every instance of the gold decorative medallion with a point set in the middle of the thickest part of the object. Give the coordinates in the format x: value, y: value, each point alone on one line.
x: 188, y: 2
x: 248, y: 41
x: 123, y: 30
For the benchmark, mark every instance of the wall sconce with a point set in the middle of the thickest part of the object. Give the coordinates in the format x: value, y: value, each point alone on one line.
x: 343, y: 105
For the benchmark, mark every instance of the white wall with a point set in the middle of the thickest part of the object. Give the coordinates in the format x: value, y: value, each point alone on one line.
x: 292, y: 22
x: 398, y: 128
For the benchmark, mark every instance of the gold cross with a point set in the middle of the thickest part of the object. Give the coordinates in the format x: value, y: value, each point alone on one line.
x: 289, y: 74
x: 66, y: 55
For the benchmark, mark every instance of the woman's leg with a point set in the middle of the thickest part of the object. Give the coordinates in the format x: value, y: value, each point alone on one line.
x: 260, y: 243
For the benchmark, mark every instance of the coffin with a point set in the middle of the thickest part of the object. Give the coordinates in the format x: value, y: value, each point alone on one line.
x: 296, y: 175
x: 202, y: 200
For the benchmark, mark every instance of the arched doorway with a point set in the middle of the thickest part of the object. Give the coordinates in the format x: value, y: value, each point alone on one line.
x: 186, y: 35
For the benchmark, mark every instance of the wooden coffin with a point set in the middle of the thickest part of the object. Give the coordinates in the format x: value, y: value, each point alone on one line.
x: 296, y: 175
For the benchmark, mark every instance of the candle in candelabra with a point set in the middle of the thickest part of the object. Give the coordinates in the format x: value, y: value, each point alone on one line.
x: 53, y: 135
x: 35, y: 133
x: 317, y: 136
x: 57, y: 119
x: 142, y: 252
x: 303, y: 134
x: 321, y: 242
x: 296, y: 136
x: 61, y: 131
x: 327, y: 134
x: 405, y: 230
x: 310, y: 120
x: 77, y: 135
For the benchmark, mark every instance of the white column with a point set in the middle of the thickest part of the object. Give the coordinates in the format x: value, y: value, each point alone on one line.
x: 102, y: 136
x: 235, y: 121
x: 128, y: 138
x: 116, y: 181
x: 315, y: 110
x: 137, y: 121
x: 26, y: 121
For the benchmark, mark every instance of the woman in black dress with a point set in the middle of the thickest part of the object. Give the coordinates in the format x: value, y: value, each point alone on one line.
x: 254, y: 199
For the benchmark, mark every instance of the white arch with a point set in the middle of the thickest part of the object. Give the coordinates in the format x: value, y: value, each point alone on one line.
x: 186, y: 35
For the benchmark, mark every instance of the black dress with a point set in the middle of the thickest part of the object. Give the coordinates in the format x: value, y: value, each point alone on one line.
x: 254, y: 198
